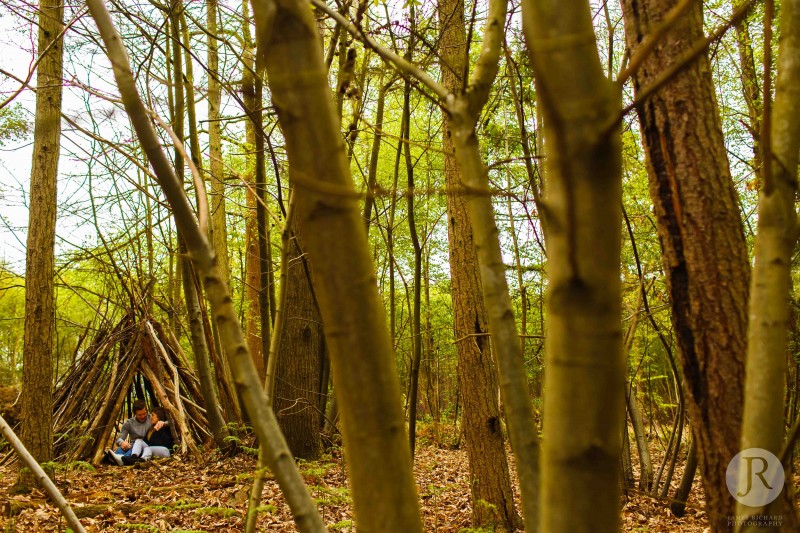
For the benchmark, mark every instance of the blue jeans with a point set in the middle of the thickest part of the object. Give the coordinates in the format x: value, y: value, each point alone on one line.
x: 120, y: 451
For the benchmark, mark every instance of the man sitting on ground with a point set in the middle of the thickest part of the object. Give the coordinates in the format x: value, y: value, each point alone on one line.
x: 136, y: 427
x: 157, y: 443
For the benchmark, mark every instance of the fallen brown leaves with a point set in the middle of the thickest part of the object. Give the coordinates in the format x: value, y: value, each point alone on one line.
x: 175, y: 495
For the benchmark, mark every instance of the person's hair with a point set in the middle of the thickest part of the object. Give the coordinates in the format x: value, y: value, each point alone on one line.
x: 138, y: 405
x: 161, y: 413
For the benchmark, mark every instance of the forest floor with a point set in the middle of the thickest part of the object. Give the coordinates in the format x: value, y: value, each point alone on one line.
x: 178, y: 495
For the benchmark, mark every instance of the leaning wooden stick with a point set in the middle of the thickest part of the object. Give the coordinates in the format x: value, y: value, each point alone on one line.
x: 46, y: 483
x: 279, y: 458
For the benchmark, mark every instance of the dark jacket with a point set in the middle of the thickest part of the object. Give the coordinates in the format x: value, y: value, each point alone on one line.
x: 162, y: 437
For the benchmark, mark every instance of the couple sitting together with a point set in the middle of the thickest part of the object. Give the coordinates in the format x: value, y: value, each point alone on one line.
x: 151, y: 436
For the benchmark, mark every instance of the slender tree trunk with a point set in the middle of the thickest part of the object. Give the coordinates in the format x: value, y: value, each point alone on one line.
x: 253, y: 130
x: 532, y: 165
x: 188, y: 83
x: 416, y: 314
x: 585, y: 379
x: 480, y: 422
x: 628, y: 479
x: 219, y: 226
x: 763, y: 425
x: 700, y: 229
x: 384, y: 493
x: 678, y: 505
x: 176, y: 108
x: 372, y: 176
x: 197, y: 332
x: 201, y: 358
x: 634, y: 411
x: 179, y: 127
x: 523, y: 293
x: 750, y: 88
x: 37, y: 354
x: 262, y: 228
x: 216, y: 171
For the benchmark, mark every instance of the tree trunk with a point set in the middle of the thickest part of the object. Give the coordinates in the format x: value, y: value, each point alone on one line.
x: 489, y: 478
x: 37, y: 355
x: 372, y: 176
x: 201, y: 358
x: 253, y: 129
x: 178, y: 126
x: 216, y: 172
x: 632, y: 401
x: 384, y: 494
x: 678, y: 505
x: 750, y: 88
x: 584, y: 400
x: 703, y: 248
x: 298, y: 364
x: 216, y: 169
x: 763, y: 425
x: 416, y: 312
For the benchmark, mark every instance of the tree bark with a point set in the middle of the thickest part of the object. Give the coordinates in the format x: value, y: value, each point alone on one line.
x: 750, y: 88
x: 253, y: 129
x: 372, y: 176
x: 178, y: 126
x: 480, y: 421
x: 632, y: 400
x: 384, y: 493
x: 301, y: 346
x: 678, y: 505
x: 584, y: 401
x: 700, y: 229
x: 216, y: 169
x: 416, y: 312
x: 764, y: 419
x: 37, y: 376
x: 201, y: 358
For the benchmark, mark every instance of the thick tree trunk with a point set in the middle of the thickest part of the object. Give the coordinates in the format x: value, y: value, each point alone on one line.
x: 480, y: 421
x: 37, y: 376
x: 584, y: 399
x: 298, y: 364
x: 384, y: 494
x: 700, y: 229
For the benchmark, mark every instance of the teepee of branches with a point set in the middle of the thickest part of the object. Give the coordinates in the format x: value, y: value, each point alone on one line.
x: 136, y: 358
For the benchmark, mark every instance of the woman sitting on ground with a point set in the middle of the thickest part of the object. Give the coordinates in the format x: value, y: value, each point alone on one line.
x: 157, y: 443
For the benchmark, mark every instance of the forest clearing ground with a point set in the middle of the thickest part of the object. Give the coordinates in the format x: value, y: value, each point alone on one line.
x: 174, y: 495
